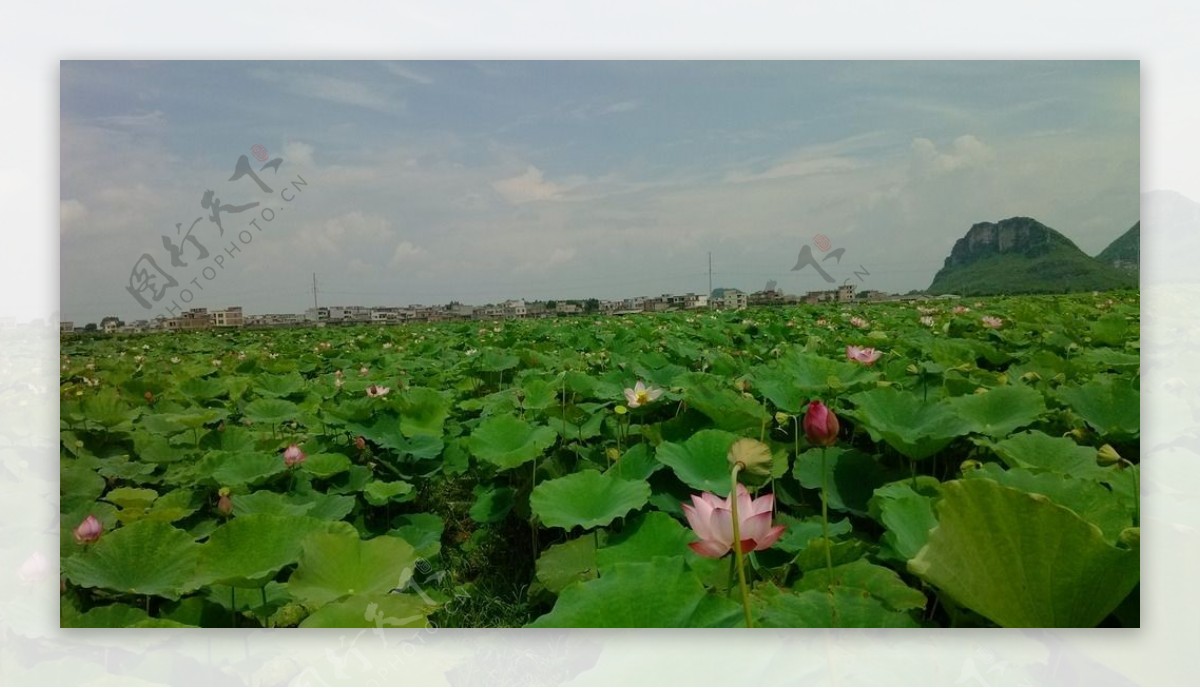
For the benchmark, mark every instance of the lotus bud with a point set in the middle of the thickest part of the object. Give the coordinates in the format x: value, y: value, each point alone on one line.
x: 1107, y: 456
x: 1130, y: 537
x: 149, y: 396
x: 820, y: 425
x: 752, y: 456
x: 360, y: 443
x: 224, y: 503
x: 293, y: 456
x: 88, y: 531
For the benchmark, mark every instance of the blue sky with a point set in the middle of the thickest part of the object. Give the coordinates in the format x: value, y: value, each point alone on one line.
x: 480, y: 181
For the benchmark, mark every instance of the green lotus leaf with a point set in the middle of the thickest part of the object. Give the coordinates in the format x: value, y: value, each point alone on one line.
x: 337, y: 565
x: 118, y: 616
x: 508, y: 442
x: 844, y: 607
x: 1040, y: 452
x: 1111, y: 406
x: 637, y: 463
x: 658, y: 594
x: 145, y: 558
x: 249, y: 550
x: 567, y: 562
x: 203, y: 388
x: 645, y: 537
x: 106, y: 408
x: 1021, y: 560
x: 373, y: 611
x: 422, y: 531
x: 851, y: 477
x: 587, y: 499
x: 492, y: 503
x: 908, y: 517
x: 231, y: 470
x: 716, y: 399
x: 702, y: 462
x: 423, y: 412
x: 326, y: 465
x: 315, y: 505
x: 1093, y: 502
x: 131, y: 498
x: 800, y: 532
x: 999, y: 411
x: 877, y: 581
x: 913, y: 427
x: 378, y: 493
x: 79, y: 485
x: 278, y: 385
x: 271, y: 411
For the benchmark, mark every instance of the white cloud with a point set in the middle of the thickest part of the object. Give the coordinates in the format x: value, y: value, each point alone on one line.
x: 527, y: 186
x: 157, y: 118
x: 71, y: 214
x: 333, y: 89
x: 299, y: 153
x: 966, y: 152
x: 406, y: 252
x: 623, y: 106
x: 404, y: 72
x: 803, y: 167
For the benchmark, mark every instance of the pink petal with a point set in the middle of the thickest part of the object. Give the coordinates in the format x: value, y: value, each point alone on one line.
x: 771, y: 537
x: 698, y: 524
x: 762, y: 505
x: 721, y: 525
x: 756, y: 526
x: 708, y: 548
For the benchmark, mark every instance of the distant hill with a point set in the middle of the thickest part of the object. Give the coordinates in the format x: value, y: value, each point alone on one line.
x: 1125, y: 251
x: 1022, y: 256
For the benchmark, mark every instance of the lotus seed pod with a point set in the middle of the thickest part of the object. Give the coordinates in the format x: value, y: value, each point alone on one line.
x: 970, y: 465
x: 753, y: 456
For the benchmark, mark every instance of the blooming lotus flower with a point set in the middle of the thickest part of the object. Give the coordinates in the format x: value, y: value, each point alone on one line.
x: 859, y: 323
x: 712, y: 519
x: 293, y: 456
x: 364, y: 370
x: 959, y: 310
x: 377, y: 391
x: 991, y: 321
x: 88, y: 531
x: 866, y: 356
x: 927, y: 320
x: 641, y: 394
x: 820, y: 425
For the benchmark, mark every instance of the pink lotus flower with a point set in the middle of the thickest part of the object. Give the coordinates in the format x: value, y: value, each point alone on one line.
x: 991, y: 321
x: 959, y: 310
x: 88, y: 531
x: 641, y: 394
x: 859, y: 323
x: 293, y: 456
x: 820, y: 425
x: 866, y: 356
x: 377, y: 391
x: 712, y: 519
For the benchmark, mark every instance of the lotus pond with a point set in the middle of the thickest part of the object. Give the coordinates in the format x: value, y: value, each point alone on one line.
x: 970, y: 463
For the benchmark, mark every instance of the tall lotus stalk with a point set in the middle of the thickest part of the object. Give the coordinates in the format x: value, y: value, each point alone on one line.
x: 821, y: 429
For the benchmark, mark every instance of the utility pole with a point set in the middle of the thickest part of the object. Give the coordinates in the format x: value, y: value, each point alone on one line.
x: 315, y: 291
x: 710, y: 274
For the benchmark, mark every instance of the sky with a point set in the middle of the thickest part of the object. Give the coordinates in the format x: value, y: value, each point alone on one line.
x: 428, y: 182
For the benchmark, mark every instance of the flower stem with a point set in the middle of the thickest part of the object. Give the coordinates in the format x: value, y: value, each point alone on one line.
x: 737, y: 546
x: 825, y: 516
